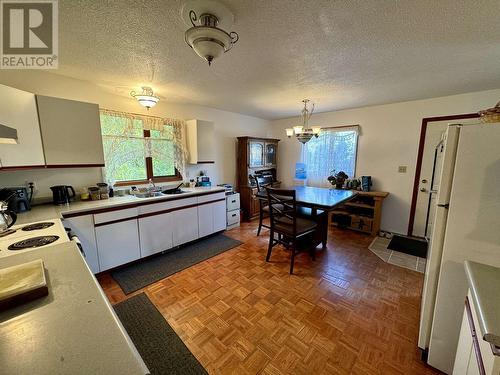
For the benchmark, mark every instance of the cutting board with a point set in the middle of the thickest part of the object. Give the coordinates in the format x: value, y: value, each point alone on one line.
x: 22, y: 283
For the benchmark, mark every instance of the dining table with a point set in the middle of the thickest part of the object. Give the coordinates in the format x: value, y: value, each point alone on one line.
x: 319, y: 200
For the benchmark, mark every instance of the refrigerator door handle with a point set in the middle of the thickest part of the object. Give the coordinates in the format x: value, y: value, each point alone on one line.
x: 445, y: 205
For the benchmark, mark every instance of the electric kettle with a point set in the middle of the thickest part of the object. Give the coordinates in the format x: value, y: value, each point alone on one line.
x: 7, y: 217
x: 61, y: 194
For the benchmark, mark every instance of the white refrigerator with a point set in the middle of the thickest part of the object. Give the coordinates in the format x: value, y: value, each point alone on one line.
x: 466, y: 226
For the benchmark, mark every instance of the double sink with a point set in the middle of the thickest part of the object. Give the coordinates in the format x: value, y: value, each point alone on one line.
x: 151, y: 194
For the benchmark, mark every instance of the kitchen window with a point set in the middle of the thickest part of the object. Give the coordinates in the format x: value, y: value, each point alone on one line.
x: 138, y: 148
x: 334, y: 149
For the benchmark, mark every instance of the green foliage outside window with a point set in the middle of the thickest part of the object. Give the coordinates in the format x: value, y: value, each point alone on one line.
x: 126, y: 149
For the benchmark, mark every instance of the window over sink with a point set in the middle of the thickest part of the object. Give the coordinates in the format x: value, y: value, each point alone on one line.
x: 138, y: 148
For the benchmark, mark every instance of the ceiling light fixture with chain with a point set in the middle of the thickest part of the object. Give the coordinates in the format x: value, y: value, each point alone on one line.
x: 304, y: 132
x: 206, y: 36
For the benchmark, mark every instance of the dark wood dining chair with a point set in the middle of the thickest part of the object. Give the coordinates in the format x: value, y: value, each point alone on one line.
x: 263, y: 207
x: 285, y: 222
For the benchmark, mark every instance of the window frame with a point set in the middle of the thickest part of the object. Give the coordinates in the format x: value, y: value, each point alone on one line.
x: 149, y: 171
x: 354, y: 127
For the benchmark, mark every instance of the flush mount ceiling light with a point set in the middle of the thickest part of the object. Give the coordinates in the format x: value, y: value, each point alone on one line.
x: 303, y: 132
x: 206, y: 36
x: 146, y: 98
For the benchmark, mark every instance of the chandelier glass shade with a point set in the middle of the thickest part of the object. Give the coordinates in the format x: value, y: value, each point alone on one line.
x: 206, y: 39
x: 304, y: 132
x: 146, y: 98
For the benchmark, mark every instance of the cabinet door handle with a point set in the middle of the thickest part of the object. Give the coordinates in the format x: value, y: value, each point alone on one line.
x: 233, y: 215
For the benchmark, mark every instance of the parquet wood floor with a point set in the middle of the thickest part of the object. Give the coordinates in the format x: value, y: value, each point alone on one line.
x: 348, y: 312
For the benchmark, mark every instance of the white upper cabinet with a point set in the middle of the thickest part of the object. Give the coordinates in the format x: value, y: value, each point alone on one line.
x: 71, y: 132
x: 200, y: 141
x: 18, y: 110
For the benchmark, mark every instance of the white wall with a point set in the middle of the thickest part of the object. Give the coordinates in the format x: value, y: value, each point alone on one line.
x: 389, y: 138
x: 228, y: 126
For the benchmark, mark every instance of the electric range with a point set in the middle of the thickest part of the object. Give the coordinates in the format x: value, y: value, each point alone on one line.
x: 31, y: 236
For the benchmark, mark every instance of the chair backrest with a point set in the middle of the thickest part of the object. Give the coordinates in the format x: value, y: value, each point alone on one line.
x: 282, y: 207
x: 258, y: 181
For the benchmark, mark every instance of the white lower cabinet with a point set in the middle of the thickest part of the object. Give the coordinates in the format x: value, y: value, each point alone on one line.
x: 83, y: 228
x: 219, y: 215
x: 117, y: 243
x: 185, y: 225
x: 205, y: 220
x: 211, y: 218
x: 156, y: 233
x: 474, y: 355
x: 115, y: 237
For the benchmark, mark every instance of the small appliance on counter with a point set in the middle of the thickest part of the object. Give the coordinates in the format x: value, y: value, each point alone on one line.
x: 17, y: 198
x: 7, y: 219
x: 61, y: 194
x: 203, y: 181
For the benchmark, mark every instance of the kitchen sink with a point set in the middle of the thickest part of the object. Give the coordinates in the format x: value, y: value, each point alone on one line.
x: 174, y: 191
x: 149, y: 194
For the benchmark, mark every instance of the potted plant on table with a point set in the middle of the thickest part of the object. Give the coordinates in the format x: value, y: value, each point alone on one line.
x: 337, y: 179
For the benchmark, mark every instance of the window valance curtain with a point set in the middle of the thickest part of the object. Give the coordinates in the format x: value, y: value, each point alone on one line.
x: 335, y: 149
x: 165, y: 134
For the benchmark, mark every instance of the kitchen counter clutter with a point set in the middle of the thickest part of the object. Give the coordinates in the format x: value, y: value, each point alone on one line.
x: 478, y: 350
x: 121, y: 230
x: 73, y: 330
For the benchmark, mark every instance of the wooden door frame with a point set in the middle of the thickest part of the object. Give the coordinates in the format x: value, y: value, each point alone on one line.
x: 420, y: 155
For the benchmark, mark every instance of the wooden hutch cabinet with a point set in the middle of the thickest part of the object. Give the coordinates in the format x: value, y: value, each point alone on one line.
x: 256, y: 156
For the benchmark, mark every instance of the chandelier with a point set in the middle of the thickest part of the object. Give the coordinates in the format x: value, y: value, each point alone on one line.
x: 146, y: 98
x: 303, y: 132
x: 205, y: 37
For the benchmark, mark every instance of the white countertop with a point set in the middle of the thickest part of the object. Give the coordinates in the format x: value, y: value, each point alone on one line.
x: 49, y: 211
x: 73, y: 330
x: 483, y: 282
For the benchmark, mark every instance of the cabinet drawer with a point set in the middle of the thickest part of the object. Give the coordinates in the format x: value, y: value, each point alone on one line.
x: 233, y: 202
x: 105, y: 217
x: 156, y: 207
x: 184, y: 202
x: 233, y: 217
x: 211, y: 197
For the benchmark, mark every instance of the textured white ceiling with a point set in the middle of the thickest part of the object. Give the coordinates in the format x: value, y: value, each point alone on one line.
x: 340, y: 54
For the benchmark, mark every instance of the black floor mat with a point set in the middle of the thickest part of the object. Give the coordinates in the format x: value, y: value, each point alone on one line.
x: 408, y: 245
x: 140, y: 274
x: 157, y: 343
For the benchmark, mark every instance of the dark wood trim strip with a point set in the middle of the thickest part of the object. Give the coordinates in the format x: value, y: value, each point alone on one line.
x: 22, y: 167
x: 75, y: 165
x: 177, y: 208
x: 157, y: 212
x: 420, y: 155
x: 137, y: 204
x: 115, y: 221
x: 50, y: 166
x: 473, y: 332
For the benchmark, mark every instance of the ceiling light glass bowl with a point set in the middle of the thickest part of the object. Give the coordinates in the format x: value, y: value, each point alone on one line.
x: 206, y: 39
x: 146, y: 98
